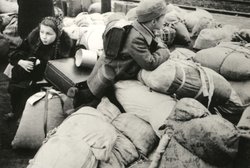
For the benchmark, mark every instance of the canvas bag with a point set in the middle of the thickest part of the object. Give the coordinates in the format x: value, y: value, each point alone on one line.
x: 182, y: 36
x: 108, y: 109
x: 231, y: 60
x: 208, y: 135
x: 187, y: 79
x: 42, y: 113
x: 90, y: 126
x: 62, y: 152
x: 123, y: 154
x: 143, y: 102
x: 138, y: 131
x: 210, y: 37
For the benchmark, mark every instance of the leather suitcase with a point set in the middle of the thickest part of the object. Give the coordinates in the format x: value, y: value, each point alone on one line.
x: 63, y: 74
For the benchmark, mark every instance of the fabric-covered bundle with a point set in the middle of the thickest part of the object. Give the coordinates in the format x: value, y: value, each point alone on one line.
x: 203, y: 23
x: 113, y: 162
x: 83, y: 139
x: 182, y: 35
x: 178, y: 156
x: 138, y: 131
x: 139, y: 100
x: 123, y: 154
x: 192, y: 18
x: 108, y: 109
x: 92, y: 37
x: 210, y: 137
x: 211, y: 37
x: 90, y: 126
x: 187, y: 79
x: 62, y: 152
x: 231, y: 60
x: 84, y: 19
x: 39, y: 118
x: 167, y: 35
x: 242, y: 89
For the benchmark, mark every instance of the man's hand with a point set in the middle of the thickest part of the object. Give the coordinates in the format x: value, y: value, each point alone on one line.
x: 26, y: 65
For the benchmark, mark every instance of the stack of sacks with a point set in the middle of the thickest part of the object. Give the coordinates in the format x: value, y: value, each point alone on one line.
x: 210, y: 37
x: 80, y: 141
x: 139, y: 100
x: 87, y: 29
x: 199, y: 138
x: 187, y: 79
x: 124, y: 151
x: 231, y: 60
x: 134, y: 136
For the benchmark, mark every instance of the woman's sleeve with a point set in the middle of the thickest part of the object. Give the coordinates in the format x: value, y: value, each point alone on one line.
x: 21, y: 52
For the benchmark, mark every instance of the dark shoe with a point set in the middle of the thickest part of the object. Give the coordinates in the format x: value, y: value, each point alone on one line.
x: 68, y: 105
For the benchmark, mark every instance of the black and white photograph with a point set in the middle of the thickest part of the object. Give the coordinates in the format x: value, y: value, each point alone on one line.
x: 125, y: 83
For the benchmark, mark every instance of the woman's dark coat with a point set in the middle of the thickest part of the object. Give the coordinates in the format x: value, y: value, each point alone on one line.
x: 44, y: 53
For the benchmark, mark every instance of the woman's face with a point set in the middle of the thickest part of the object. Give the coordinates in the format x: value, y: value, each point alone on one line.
x: 47, y: 34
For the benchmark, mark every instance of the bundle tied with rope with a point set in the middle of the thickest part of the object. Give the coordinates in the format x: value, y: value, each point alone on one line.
x: 177, y: 29
x: 208, y: 135
x: 182, y: 78
x: 43, y: 112
x: 230, y: 59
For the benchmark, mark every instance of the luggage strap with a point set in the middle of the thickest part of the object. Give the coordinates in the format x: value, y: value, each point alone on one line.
x: 204, y: 74
x: 233, y: 50
x: 52, y: 92
x: 207, y: 91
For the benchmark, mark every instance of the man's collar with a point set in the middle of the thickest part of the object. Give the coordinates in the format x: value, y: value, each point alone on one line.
x: 144, y: 31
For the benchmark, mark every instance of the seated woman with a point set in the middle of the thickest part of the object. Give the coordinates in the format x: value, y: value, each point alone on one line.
x: 46, y: 42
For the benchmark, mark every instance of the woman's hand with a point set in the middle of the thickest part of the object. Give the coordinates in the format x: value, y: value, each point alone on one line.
x: 26, y: 65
